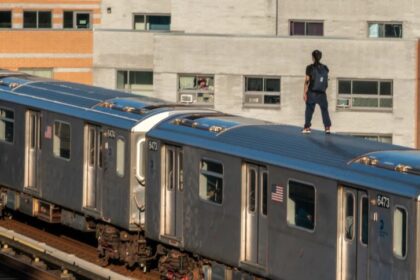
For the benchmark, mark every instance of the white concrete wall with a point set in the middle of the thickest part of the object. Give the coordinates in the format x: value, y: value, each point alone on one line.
x: 120, y: 50
x: 231, y: 58
x: 256, y: 17
x: 349, y: 18
x: 121, y: 16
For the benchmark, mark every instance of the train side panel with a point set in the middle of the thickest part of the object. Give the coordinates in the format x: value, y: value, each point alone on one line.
x: 296, y: 249
x: 12, y: 151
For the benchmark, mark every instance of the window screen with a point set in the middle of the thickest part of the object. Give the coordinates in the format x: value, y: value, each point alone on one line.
x: 211, y: 181
x: 301, y: 205
x: 62, y: 140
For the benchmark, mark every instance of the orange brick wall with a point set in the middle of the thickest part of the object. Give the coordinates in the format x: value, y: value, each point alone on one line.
x: 56, y: 49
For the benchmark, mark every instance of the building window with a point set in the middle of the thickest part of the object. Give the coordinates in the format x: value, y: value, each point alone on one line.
x: 378, y: 138
x: 262, y: 92
x: 385, y: 30
x: 37, y: 19
x: 40, y: 72
x: 5, y: 19
x: 152, y: 22
x: 7, y: 121
x: 211, y: 181
x: 400, y: 232
x: 135, y: 80
x: 76, y: 20
x: 120, y: 156
x: 197, y: 89
x: 301, y: 205
x: 62, y: 136
x: 306, y: 28
x: 365, y: 94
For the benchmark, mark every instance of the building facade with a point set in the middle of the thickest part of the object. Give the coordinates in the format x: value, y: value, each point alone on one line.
x: 241, y: 57
x: 49, y: 38
x: 249, y: 58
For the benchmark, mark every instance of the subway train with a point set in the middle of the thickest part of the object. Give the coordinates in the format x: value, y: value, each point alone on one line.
x: 204, y: 194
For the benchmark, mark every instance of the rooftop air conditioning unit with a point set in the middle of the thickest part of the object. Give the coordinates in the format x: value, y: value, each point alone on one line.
x: 186, y: 98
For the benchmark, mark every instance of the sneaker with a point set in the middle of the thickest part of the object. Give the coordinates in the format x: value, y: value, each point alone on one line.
x: 306, y: 130
x: 327, y: 130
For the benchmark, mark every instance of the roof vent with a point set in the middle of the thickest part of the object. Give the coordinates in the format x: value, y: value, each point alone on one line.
x: 392, y: 160
x: 211, y: 122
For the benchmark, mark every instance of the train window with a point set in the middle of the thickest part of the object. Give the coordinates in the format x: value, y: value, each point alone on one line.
x: 120, y: 156
x: 211, y: 181
x: 364, y: 225
x: 301, y: 205
x: 170, y: 165
x: 7, y: 121
x: 252, y: 178
x: 400, y: 232
x: 181, y: 170
x: 61, y: 144
x: 349, y: 212
x: 264, y: 192
x: 5, y: 19
x: 141, y: 165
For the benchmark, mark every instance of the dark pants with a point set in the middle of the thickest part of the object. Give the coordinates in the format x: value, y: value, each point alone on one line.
x: 320, y: 99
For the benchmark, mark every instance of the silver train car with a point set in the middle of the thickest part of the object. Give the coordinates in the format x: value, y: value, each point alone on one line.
x: 208, y: 195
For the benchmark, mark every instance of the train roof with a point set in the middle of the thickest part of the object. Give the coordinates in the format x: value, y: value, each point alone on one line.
x: 347, y: 159
x: 108, y: 107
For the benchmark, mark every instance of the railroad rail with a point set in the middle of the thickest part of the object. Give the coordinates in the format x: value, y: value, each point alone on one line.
x: 44, y: 255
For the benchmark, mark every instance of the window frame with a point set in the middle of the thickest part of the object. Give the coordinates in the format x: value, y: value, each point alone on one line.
x: 372, y: 135
x: 217, y: 175
x: 35, y: 69
x: 146, y: 16
x: 306, y: 22
x: 401, y: 207
x: 130, y: 90
x: 263, y: 93
x: 210, y: 90
x: 350, y: 96
x: 312, y: 231
x: 70, y: 142
x: 74, y: 18
x: 384, y: 23
x: 37, y: 19
x: 11, y: 19
x: 5, y: 119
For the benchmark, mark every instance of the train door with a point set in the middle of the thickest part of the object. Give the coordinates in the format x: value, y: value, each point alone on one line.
x: 93, y: 166
x: 173, y: 192
x: 33, y: 149
x: 255, y: 208
x: 354, y: 234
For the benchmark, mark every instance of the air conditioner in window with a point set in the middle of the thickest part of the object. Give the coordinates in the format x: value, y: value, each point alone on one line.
x: 186, y: 98
x: 343, y: 103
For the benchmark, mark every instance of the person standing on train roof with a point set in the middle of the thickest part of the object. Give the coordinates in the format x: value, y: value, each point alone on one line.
x: 316, y: 83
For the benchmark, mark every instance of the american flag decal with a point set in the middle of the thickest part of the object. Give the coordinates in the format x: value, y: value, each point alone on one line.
x: 277, y: 193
